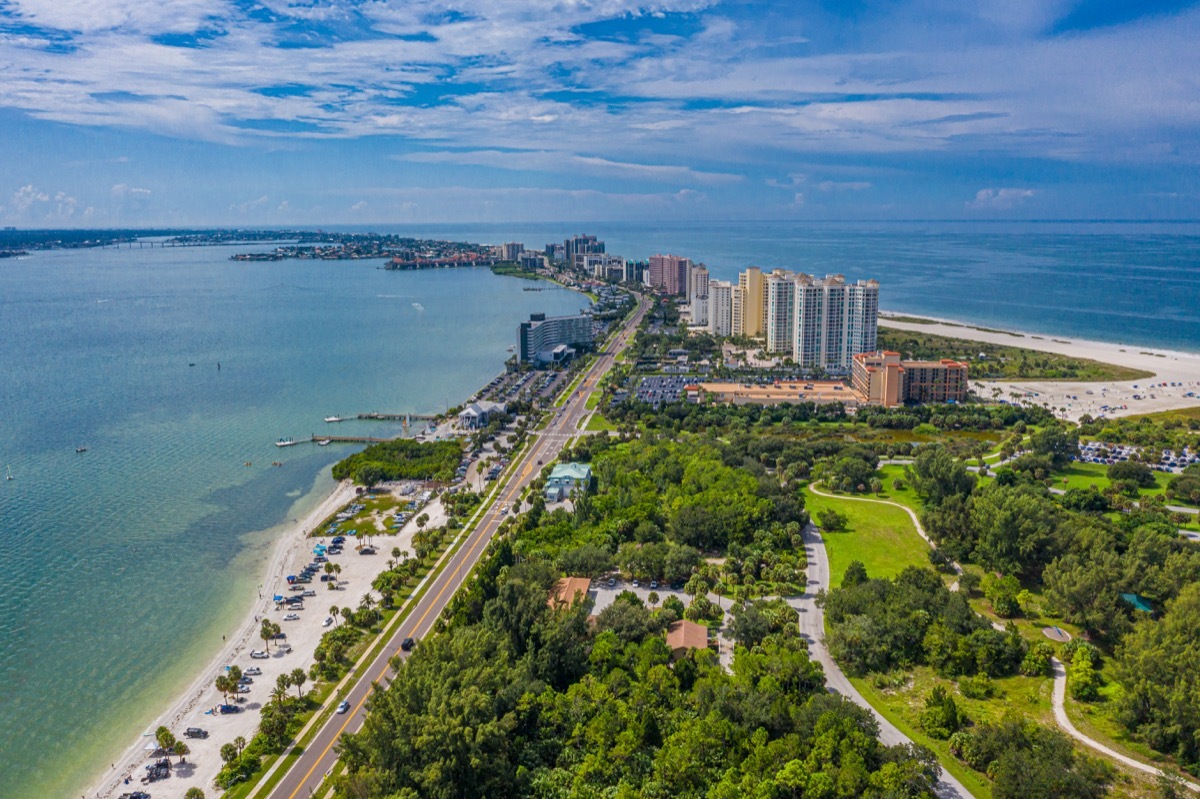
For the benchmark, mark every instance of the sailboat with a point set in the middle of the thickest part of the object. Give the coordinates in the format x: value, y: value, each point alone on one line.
x: 9, y: 475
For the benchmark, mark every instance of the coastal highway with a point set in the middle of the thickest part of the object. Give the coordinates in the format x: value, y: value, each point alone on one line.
x: 306, y: 774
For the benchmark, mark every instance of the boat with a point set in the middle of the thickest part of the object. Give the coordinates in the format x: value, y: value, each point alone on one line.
x: 512, y: 347
x: 285, y: 442
x: 324, y: 442
x: 276, y: 463
x: 81, y: 449
x: 418, y: 306
x: 332, y: 419
x: 9, y: 475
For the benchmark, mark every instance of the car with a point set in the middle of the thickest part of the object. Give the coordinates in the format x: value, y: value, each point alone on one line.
x: 328, y: 621
x: 244, y: 680
x: 253, y: 671
x: 367, y: 551
x: 292, y: 617
x: 636, y: 584
x: 195, y: 732
x: 258, y: 654
x: 407, y: 644
x: 343, y: 707
x: 653, y: 584
x: 135, y: 795
x: 242, y: 688
x: 309, y: 592
x: 224, y: 709
x: 338, y: 539
x: 296, y: 586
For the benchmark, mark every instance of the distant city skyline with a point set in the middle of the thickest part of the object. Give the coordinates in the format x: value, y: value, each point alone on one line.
x: 370, y: 112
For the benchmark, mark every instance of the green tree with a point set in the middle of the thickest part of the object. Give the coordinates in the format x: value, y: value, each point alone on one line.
x: 298, y: 678
x: 1016, y: 529
x: 1002, y: 593
x: 935, y: 475
x: 831, y: 521
x: 194, y: 793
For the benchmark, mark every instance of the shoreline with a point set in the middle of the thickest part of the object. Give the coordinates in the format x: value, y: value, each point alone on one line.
x: 291, y: 542
x: 285, y: 548
x: 978, y: 332
x: 1175, y: 373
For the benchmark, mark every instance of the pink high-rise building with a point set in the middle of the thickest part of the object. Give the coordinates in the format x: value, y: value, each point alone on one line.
x: 669, y: 273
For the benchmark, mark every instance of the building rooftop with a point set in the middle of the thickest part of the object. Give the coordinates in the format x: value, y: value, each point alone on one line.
x: 567, y: 590
x: 797, y: 391
x: 571, y: 471
x: 684, y: 635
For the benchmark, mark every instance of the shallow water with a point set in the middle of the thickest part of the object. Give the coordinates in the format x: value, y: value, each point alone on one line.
x: 125, y: 564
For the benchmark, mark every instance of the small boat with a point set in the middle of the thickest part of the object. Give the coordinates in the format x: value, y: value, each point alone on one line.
x: 9, y: 475
x: 248, y: 463
x: 276, y: 463
x: 324, y: 442
x: 332, y: 419
x: 512, y: 347
x: 418, y: 306
x: 285, y: 442
x: 81, y: 449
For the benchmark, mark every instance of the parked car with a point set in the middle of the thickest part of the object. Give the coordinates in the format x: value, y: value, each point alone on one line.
x: 253, y: 671
x: 407, y: 644
x: 343, y: 707
x: 229, y: 709
x: 309, y: 592
x: 195, y: 732
x: 328, y: 621
x: 258, y: 654
x: 367, y: 551
x: 292, y: 617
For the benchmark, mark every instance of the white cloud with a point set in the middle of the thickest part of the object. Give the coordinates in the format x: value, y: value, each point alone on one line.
x: 359, y: 206
x: 844, y: 185
x: 122, y: 190
x: 999, y: 199
x: 29, y: 203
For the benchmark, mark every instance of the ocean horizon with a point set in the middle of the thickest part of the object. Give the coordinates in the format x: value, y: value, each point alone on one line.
x: 136, y: 556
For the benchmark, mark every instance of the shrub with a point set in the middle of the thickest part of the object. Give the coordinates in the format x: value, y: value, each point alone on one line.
x: 831, y: 521
x: 941, y: 717
x: 978, y: 687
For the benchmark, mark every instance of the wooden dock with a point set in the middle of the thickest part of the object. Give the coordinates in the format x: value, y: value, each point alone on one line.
x: 349, y: 439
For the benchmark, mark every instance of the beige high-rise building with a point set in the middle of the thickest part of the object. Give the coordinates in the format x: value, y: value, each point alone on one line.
x: 754, y: 302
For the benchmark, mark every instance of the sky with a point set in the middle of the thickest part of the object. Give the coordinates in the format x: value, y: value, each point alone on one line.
x: 309, y: 112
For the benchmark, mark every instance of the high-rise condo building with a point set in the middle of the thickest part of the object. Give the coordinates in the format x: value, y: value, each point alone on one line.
x: 698, y: 294
x: 833, y: 321
x: 882, y: 378
x: 670, y: 273
x: 511, y: 251
x: 552, y: 339
x: 577, y: 245
x: 754, y: 303
x: 737, y: 311
x: 720, y: 307
x: 779, y: 323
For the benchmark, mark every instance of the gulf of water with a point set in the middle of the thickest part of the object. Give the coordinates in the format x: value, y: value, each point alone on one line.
x: 1131, y: 283
x: 125, y: 565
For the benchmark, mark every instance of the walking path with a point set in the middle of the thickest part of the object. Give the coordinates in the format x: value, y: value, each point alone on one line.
x: 812, y: 629
x: 1060, y: 672
x: 1060, y: 715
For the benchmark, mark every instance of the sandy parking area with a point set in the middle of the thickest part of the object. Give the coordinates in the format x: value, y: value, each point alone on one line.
x: 196, y: 708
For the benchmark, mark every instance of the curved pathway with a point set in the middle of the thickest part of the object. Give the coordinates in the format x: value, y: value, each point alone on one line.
x: 812, y: 629
x: 1060, y: 672
x: 1060, y: 715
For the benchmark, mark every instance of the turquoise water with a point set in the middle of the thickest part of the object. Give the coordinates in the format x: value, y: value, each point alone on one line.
x: 127, y: 563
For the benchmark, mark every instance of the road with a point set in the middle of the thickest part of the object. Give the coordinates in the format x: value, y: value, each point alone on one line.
x: 319, y: 757
x: 812, y: 629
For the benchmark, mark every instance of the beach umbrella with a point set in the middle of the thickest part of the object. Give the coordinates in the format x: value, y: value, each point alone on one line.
x: 278, y: 597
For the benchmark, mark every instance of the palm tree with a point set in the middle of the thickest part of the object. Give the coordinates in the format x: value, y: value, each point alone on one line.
x: 240, y: 743
x: 298, y: 678
x: 279, y: 693
x: 334, y: 612
x: 282, y: 683
x: 222, y: 684
x: 268, y: 631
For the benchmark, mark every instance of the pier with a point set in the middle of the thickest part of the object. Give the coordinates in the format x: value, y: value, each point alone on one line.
x: 349, y: 439
x: 397, y: 417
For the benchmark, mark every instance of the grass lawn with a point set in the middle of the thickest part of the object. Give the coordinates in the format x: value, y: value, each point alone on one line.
x: 900, y: 698
x: 905, y: 496
x: 1082, y: 475
x: 597, y: 423
x: 881, y: 536
x: 592, y: 401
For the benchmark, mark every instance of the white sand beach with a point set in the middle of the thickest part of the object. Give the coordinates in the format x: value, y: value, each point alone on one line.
x: 1179, y: 371
x: 195, y: 707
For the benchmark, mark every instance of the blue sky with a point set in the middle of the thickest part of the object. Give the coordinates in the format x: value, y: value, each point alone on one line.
x: 278, y: 112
